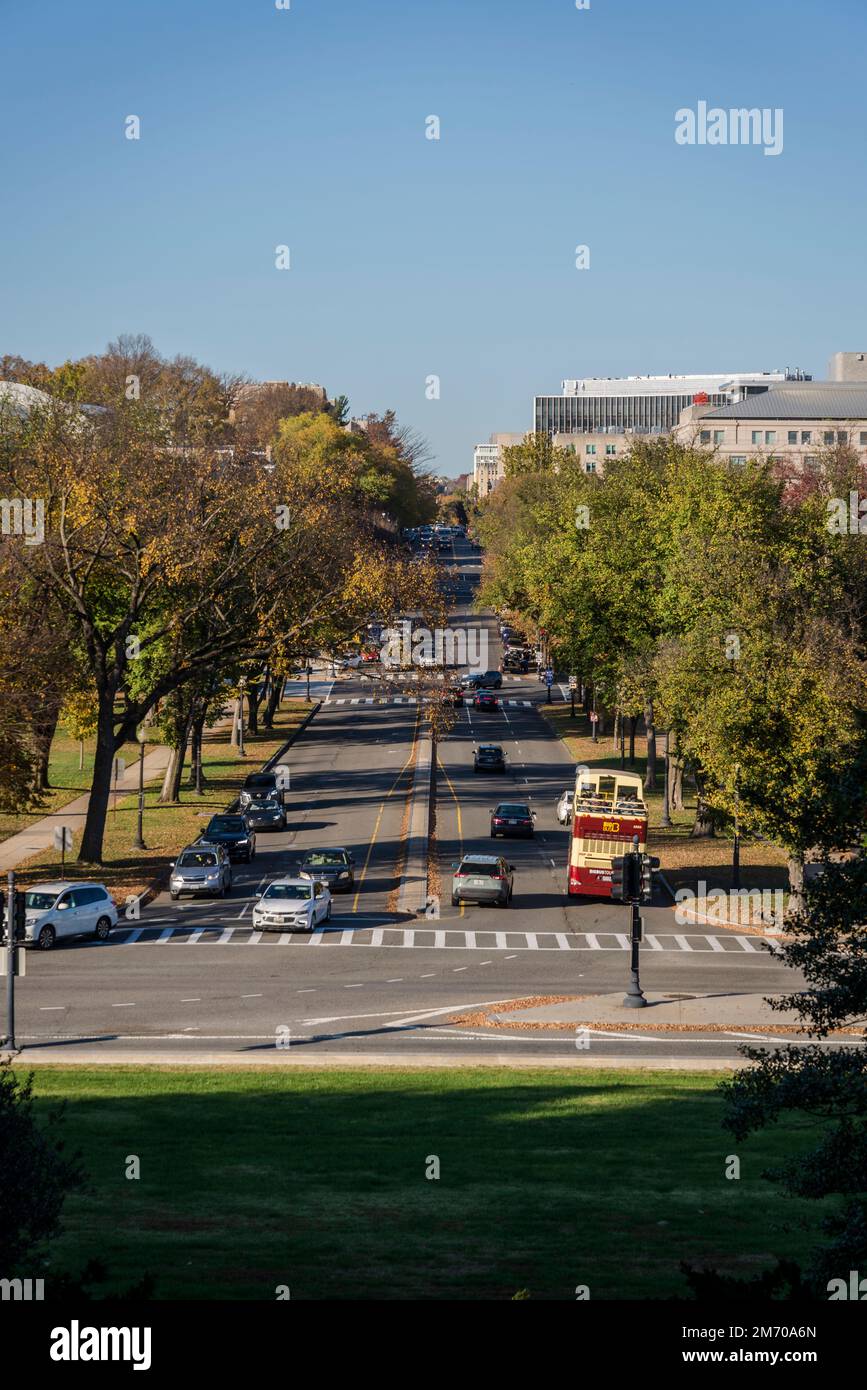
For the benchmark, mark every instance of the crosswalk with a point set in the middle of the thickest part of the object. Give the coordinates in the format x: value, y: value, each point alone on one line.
x: 435, y: 938
x: 403, y: 700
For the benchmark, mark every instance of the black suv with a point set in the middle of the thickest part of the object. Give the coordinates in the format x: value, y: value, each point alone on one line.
x: 489, y: 757
x: 260, y: 784
x: 513, y: 818
x: 234, y: 834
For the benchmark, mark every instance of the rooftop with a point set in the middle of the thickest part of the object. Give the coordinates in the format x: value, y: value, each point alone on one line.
x: 815, y: 400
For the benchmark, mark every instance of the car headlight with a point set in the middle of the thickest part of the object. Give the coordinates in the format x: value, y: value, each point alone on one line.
x: 344, y: 873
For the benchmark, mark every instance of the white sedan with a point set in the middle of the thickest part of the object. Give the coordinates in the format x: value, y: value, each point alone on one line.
x: 564, y: 807
x: 292, y: 904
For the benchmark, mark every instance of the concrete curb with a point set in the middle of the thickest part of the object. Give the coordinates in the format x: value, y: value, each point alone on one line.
x: 361, y: 1061
x: 412, y: 894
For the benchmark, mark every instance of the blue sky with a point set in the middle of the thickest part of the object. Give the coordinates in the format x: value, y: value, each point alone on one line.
x: 412, y: 257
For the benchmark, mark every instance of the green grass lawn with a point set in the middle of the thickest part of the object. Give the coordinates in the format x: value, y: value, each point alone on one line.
x: 167, y: 828
x: 317, y: 1180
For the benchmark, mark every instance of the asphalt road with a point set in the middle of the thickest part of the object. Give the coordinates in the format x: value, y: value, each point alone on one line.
x: 193, y: 976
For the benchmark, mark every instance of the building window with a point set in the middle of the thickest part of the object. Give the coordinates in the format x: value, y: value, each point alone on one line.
x: 738, y: 458
x: 719, y: 436
x: 770, y: 436
x: 705, y: 436
x: 590, y: 449
x: 828, y: 436
x: 590, y: 466
x: 793, y: 436
x: 610, y: 449
x: 757, y: 437
x: 806, y: 436
x: 842, y: 436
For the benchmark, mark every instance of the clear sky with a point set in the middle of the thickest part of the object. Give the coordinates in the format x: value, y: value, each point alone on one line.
x: 413, y: 257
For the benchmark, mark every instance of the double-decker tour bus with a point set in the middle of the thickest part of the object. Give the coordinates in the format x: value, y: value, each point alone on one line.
x: 607, y: 813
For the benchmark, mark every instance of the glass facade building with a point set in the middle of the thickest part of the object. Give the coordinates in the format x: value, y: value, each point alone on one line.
x: 645, y: 405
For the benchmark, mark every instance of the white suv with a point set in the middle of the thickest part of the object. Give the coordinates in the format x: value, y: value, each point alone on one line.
x: 55, y: 911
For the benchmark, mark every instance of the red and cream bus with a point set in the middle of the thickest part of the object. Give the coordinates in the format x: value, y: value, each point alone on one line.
x: 608, y: 811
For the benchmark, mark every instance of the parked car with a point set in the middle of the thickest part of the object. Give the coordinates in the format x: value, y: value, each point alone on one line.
x: 513, y: 818
x: 333, y: 867
x: 483, y: 878
x: 370, y: 654
x: 292, y: 904
x: 235, y: 834
x: 491, y: 680
x: 564, y: 806
x: 489, y: 757
x: 263, y: 784
x: 486, y: 701
x: 201, y: 868
x: 58, y: 911
x: 266, y: 812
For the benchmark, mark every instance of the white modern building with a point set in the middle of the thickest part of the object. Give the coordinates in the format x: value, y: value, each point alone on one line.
x: 644, y: 404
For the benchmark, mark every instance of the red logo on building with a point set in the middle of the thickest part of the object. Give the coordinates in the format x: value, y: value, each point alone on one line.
x: 700, y: 398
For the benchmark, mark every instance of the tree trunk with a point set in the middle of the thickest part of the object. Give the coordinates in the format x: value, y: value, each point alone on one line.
x: 703, y: 829
x: 100, y: 787
x: 675, y: 784
x: 617, y: 718
x: 273, y: 702
x: 236, y: 721
x: 253, y: 698
x: 171, y: 788
x: 633, y: 723
x: 198, y: 736
x: 45, y: 729
x: 795, y: 864
x: 650, y: 776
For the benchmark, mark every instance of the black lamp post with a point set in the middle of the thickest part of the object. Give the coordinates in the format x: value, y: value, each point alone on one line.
x: 141, y: 735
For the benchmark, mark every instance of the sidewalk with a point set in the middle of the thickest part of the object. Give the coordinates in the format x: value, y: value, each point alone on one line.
x: 712, y: 1012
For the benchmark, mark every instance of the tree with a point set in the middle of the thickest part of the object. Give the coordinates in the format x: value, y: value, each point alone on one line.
x: 38, y: 1174
x: 821, y: 1091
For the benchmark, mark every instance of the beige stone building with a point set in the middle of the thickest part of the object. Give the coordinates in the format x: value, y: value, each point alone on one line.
x: 488, y: 466
x: 793, y: 423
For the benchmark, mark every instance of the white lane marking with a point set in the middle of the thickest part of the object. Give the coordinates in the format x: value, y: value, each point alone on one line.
x: 305, y: 991
x: 745, y: 943
x: 562, y: 941
x: 624, y: 940
x: 165, y: 936
x: 353, y: 986
x: 411, y: 1018
x: 346, y: 936
x: 252, y: 996
x: 682, y: 943
x: 459, y: 968
x: 254, y: 937
x: 398, y: 980
x: 243, y: 912
x: 123, y: 1006
x: 316, y: 938
x: 593, y: 943
x: 715, y: 943
x: 652, y: 942
x: 51, y: 1008
x: 429, y: 976
x: 227, y: 935
x: 194, y: 937
x: 194, y: 999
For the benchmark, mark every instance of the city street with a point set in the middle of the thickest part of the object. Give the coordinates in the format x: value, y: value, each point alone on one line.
x: 193, y: 976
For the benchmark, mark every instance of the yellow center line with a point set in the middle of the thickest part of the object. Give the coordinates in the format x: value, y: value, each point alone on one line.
x: 458, y: 810
x: 381, y: 811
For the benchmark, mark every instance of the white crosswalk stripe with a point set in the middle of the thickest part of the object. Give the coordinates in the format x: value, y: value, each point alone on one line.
x: 439, y: 938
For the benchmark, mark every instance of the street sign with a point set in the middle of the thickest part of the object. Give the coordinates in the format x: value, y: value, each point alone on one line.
x: 593, y: 717
x: 119, y: 768
x: 573, y: 682
x: 549, y: 676
x: 20, y: 962
x: 63, y: 837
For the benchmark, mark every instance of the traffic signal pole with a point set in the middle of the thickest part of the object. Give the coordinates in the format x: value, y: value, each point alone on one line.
x: 632, y: 882
x: 634, y: 998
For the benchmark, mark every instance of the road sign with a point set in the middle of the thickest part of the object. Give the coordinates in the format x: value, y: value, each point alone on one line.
x: 573, y: 682
x: 20, y: 962
x: 594, y: 717
x: 119, y: 768
x: 549, y: 676
x: 63, y: 837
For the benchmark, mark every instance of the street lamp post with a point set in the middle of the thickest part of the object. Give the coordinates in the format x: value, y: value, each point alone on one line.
x: 736, y: 848
x: 622, y: 742
x: 594, y: 719
x: 141, y: 735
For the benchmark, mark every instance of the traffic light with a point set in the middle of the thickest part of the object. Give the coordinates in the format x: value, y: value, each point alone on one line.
x: 20, y: 914
x: 617, y: 879
x: 648, y: 864
x: 626, y: 879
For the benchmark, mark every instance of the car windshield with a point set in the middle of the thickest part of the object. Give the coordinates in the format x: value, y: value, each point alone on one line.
x: 264, y: 798
x: 509, y: 810
x: 197, y: 859
x: 260, y: 779
x: 296, y: 892
x: 326, y: 856
x: 224, y: 823
x: 39, y: 902
x: 480, y: 870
